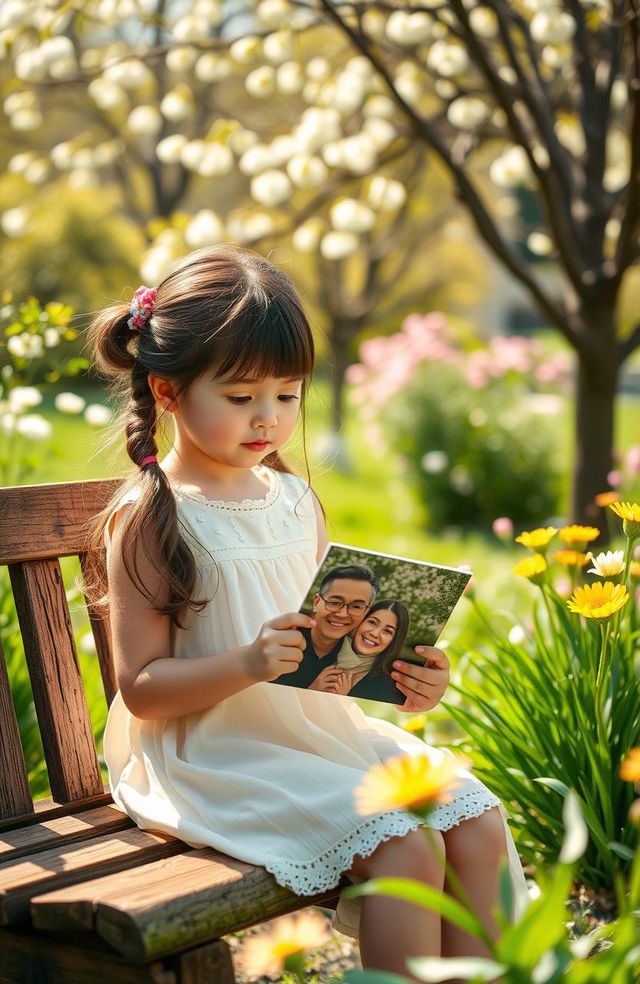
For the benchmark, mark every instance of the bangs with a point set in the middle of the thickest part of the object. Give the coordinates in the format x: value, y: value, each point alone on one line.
x: 264, y: 342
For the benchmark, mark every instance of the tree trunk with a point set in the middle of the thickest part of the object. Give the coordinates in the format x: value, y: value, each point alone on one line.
x: 595, y: 398
x: 340, y: 336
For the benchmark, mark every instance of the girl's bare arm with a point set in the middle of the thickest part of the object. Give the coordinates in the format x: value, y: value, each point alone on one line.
x: 153, y: 684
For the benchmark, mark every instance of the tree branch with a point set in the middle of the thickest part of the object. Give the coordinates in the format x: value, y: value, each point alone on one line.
x: 630, y: 229
x: 485, y: 225
x: 628, y: 345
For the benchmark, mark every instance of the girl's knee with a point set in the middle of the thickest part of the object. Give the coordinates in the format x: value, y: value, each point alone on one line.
x: 418, y: 855
x: 479, y: 837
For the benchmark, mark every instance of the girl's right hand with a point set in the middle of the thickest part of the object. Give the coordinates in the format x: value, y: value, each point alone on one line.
x: 278, y: 647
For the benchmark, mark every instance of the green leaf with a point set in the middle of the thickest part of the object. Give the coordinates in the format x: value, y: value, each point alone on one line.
x: 446, y: 968
x: 622, y: 850
x: 506, y: 889
x: 423, y: 895
x: 370, y: 977
x: 541, y: 926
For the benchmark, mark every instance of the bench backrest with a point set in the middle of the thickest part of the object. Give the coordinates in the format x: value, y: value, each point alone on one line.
x: 38, y: 525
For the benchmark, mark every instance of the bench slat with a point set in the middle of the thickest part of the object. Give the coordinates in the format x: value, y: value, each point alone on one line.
x: 15, y: 795
x: 68, y: 829
x: 169, y: 905
x: 29, y: 956
x: 49, y: 520
x: 20, y: 880
x: 58, y: 693
x: 47, y: 809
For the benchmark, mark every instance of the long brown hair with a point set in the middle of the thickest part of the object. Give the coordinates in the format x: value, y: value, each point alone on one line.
x: 384, y: 660
x: 221, y: 309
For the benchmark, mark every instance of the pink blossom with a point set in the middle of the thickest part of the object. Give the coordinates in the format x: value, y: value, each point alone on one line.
x: 632, y: 461
x: 614, y: 478
x: 356, y: 373
x: 502, y: 527
x: 563, y: 587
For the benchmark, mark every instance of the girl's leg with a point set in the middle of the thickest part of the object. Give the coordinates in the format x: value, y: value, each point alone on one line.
x: 474, y: 850
x: 392, y: 930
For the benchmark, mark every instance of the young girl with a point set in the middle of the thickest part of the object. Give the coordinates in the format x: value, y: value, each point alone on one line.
x: 210, y: 553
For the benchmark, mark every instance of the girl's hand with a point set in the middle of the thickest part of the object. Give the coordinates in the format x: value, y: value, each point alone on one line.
x: 278, y: 647
x: 332, y: 680
x: 423, y: 686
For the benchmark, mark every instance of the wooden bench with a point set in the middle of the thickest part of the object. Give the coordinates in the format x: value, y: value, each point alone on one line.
x: 85, y: 896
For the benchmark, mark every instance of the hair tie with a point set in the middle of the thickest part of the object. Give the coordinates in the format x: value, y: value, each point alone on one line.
x: 141, y: 307
x: 148, y: 460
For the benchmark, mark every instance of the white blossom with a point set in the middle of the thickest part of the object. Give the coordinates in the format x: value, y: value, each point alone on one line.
x: 306, y: 171
x: 181, y: 59
x: 552, y: 27
x: 358, y: 153
x: 258, y: 225
x: 386, y: 193
x: 307, y: 236
x: 484, y: 22
x: 318, y: 127
x: 409, y: 87
x: 107, y: 94
x: 271, y: 188
x: 217, y: 161
x: 156, y: 264
x: 20, y: 162
x: 129, y: 74
x: 289, y: 78
x: 467, y: 112
x: 191, y: 28
x: 211, y: 10
x: 351, y: 215
x: 245, y: 50
x: 338, y: 245
x: 37, y: 172
x: 447, y: 59
x: 170, y: 148
x: 260, y: 83
x: 273, y: 13
x: 607, y: 564
x: 69, y: 403
x: 193, y: 154
x: 15, y: 13
x: 22, y: 398
x: 26, y: 119
x: 7, y: 423
x: 318, y: 69
x: 53, y: 49
x: 374, y: 23
x: 409, y: 29
x: 380, y: 132
x: 177, y: 104
x: 256, y: 159
x: 278, y: 47
x: 212, y: 68
x: 619, y: 94
x: 97, y: 415
x: 15, y: 222
x: 240, y: 140
x: 379, y: 105
x: 33, y: 427
x: 83, y: 177
x: 434, y: 462
x: 540, y: 243
x: 205, y: 229
x: 29, y: 66
x: 511, y: 168
x: 145, y: 120
x: 571, y: 135
x: 25, y: 99
x: 516, y: 635
x: 51, y: 337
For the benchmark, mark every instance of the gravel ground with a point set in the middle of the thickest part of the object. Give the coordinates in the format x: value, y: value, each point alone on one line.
x: 586, y: 911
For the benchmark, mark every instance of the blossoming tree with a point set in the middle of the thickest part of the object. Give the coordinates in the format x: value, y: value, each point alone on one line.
x: 542, y: 94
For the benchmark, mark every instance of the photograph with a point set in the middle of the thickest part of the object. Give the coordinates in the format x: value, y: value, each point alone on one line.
x: 371, y: 609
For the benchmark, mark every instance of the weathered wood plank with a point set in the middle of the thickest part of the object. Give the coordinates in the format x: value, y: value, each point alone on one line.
x: 165, y: 906
x: 34, y: 958
x: 39, y: 521
x: 58, y: 693
x: 15, y: 795
x: 20, y: 880
x: 210, y: 963
x: 63, y: 830
x: 47, y: 809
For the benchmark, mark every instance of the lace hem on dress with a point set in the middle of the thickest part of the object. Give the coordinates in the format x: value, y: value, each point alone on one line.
x: 325, y: 871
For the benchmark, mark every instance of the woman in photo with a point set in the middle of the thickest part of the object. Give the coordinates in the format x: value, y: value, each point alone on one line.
x: 364, y: 664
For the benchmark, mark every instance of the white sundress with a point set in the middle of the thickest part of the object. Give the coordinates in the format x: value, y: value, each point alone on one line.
x: 268, y: 774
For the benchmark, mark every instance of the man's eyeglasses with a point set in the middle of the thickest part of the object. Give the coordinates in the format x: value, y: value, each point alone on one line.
x: 353, y: 607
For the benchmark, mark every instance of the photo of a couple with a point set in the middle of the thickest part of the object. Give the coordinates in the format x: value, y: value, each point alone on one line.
x: 373, y: 624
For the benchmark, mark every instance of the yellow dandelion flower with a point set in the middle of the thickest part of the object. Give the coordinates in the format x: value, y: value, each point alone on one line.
x: 570, y: 558
x: 537, y: 539
x: 531, y: 567
x: 629, y: 513
x: 268, y: 953
x: 410, y: 782
x: 630, y: 768
x: 606, y: 498
x: 599, y: 600
x: 634, y: 568
x: 607, y: 564
x: 415, y: 723
x: 578, y: 534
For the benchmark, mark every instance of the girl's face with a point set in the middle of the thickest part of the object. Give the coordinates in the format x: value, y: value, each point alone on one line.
x: 231, y: 425
x: 375, y: 632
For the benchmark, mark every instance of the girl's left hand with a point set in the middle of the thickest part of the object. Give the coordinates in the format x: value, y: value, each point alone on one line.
x: 423, y: 686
